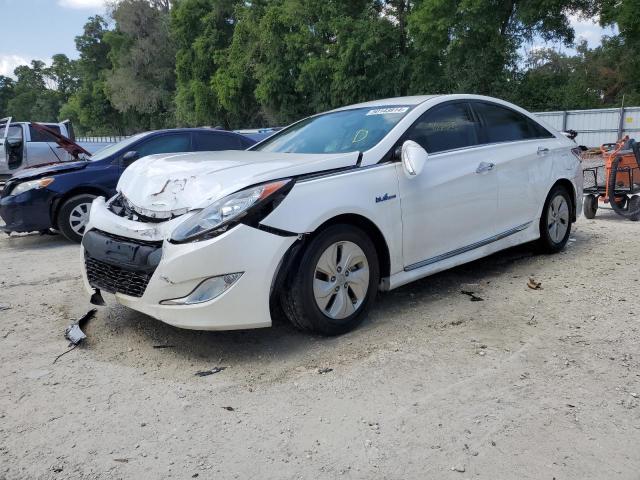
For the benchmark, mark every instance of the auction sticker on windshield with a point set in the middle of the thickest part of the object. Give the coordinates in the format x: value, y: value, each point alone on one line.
x: 386, y: 111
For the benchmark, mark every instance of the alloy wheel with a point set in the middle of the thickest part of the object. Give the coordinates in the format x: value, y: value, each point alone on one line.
x: 558, y: 218
x: 341, y: 280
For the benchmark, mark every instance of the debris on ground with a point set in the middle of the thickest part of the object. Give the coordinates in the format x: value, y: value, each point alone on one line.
x: 164, y: 346
x: 96, y: 299
x: 229, y: 409
x: 322, y: 371
x: 458, y: 468
x: 206, y: 373
x: 472, y: 295
x: 4, y: 306
x: 121, y: 460
x: 74, y: 332
x: 533, y: 285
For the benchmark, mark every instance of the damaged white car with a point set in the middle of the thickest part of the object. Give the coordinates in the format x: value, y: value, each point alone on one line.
x: 328, y: 211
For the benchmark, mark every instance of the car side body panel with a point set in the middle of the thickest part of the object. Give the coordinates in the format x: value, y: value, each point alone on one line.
x: 370, y: 192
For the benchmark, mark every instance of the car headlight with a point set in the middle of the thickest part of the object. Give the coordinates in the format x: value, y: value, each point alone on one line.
x: 31, y: 185
x: 225, y: 213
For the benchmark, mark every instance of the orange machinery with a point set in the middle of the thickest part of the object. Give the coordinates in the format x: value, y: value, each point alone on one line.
x: 616, y: 182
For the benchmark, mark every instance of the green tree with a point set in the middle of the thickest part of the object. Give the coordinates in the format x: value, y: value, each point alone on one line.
x: 202, y: 30
x: 472, y: 45
x: 89, y: 107
x: 141, y: 82
x: 6, y: 93
x: 290, y: 58
x: 31, y: 99
x: 64, y: 74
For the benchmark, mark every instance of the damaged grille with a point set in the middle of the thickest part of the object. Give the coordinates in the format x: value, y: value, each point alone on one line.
x: 136, y: 241
x: 117, y: 264
x: 113, y: 279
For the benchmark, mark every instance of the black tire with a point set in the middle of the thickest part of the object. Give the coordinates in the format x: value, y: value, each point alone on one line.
x: 298, y: 300
x: 590, y: 206
x: 66, y: 222
x: 546, y: 243
x: 634, y: 208
x: 622, y: 202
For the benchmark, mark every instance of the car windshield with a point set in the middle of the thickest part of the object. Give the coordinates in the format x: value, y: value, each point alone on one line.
x: 116, y: 147
x: 352, y: 130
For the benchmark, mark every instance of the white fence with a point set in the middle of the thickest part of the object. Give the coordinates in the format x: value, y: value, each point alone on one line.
x: 595, y: 127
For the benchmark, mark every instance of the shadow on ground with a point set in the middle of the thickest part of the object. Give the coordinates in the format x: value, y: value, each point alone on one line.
x: 126, y: 336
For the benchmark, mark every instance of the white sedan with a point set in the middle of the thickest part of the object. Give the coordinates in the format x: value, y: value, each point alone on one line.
x: 328, y: 211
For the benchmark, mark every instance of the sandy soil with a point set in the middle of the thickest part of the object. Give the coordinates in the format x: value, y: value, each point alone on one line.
x: 525, y: 384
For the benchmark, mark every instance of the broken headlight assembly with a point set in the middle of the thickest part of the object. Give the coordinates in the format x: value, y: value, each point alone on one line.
x: 250, y: 206
x: 32, y: 185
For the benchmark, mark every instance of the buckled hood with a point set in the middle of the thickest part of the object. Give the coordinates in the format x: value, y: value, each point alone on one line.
x: 48, y: 169
x: 176, y: 183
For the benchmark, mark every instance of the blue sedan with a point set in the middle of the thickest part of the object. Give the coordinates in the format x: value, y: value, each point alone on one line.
x: 59, y: 196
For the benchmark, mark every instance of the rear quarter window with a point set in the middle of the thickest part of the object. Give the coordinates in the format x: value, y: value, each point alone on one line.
x: 501, y: 124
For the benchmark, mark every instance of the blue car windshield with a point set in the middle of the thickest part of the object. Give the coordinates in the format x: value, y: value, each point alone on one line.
x: 344, y: 131
x: 116, y: 147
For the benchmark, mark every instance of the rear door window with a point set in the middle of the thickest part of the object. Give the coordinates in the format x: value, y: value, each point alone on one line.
x: 446, y: 127
x: 501, y: 124
x: 39, y: 136
x: 214, y: 141
x: 173, y: 143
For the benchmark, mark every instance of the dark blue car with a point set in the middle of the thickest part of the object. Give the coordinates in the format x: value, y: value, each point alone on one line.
x: 59, y: 196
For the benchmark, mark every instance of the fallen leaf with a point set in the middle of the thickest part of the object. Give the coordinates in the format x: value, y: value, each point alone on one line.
x: 533, y: 285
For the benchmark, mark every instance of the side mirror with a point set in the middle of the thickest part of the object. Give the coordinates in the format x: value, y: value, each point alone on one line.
x: 14, y: 142
x: 130, y: 157
x: 413, y: 158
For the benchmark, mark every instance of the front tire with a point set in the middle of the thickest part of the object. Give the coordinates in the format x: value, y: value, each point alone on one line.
x: 74, y: 215
x: 590, y: 206
x: 335, y: 283
x: 555, y: 222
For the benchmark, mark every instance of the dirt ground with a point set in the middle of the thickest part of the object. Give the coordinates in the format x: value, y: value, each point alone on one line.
x: 538, y: 384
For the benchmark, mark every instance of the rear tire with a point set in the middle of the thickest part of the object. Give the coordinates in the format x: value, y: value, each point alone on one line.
x: 73, y: 216
x: 634, y: 208
x: 555, y: 222
x: 590, y: 206
x: 335, y: 282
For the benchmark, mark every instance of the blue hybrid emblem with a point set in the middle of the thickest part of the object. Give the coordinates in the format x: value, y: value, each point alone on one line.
x: 385, y: 197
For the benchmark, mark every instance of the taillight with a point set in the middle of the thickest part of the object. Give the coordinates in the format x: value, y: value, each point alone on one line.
x: 577, y: 152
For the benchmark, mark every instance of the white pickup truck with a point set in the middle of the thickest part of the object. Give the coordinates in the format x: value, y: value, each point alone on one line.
x: 22, y: 145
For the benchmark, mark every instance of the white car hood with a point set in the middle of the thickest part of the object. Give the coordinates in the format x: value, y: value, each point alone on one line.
x: 176, y: 183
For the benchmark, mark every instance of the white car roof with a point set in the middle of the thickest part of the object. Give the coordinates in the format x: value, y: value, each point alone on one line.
x: 413, y: 100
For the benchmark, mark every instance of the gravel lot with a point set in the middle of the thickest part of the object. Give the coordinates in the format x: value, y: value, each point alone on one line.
x: 536, y: 384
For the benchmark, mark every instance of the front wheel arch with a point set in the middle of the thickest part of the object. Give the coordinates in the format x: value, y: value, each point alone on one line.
x: 55, y: 207
x: 370, y: 228
x: 291, y: 258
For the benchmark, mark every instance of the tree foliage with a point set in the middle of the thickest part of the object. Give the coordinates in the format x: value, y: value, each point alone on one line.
x: 141, y: 81
x: 237, y: 63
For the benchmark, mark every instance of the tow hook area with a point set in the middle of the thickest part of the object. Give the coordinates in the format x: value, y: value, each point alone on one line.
x: 96, y: 298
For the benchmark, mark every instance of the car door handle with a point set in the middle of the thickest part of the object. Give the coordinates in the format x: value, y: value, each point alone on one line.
x: 485, y: 167
x: 542, y: 151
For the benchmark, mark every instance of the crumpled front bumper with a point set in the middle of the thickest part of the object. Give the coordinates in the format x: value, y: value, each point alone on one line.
x: 182, y: 267
x: 28, y: 212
